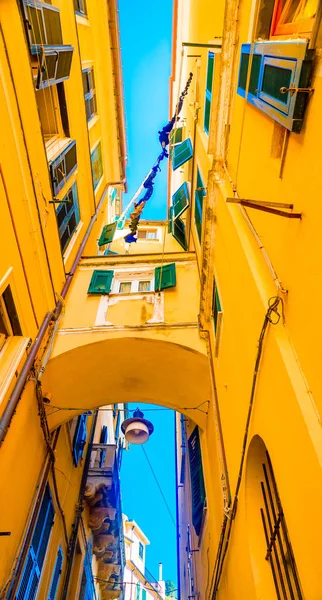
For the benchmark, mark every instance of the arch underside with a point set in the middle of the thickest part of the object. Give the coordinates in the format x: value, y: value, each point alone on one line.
x: 127, y: 370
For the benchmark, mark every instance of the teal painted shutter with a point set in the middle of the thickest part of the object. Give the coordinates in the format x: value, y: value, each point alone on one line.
x: 210, y: 73
x: 179, y: 233
x: 79, y: 440
x: 56, y: 575
x: 180, y: 200
x: 170, y: 217
x: 143, y: 594
x: 164, y: 277
x: 138, y: 591
x: 101, y: 282
x: 107, y: 234
x: 181, y: 153
x: 32, y: 570
x: 216, y: 305
x: 198, y: 494
x: 199, y: 196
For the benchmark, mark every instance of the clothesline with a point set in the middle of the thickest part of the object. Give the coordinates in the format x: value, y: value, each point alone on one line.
x: 148, y: 183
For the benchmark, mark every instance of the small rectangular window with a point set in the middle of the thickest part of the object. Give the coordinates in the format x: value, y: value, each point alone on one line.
x: 147, y: 234
x: 208, y: 98
x: 97, y: 165
x: 141, y: 550
x: 80, y: 7
x: 63, y: 167
x: 9, y: 322
x: 89, y: 93
x: 293, y: 17
x: 144, y: 286
x: 125, y: 287
x: 67, y: 215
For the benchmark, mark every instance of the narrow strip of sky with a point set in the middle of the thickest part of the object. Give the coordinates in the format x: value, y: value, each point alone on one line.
x: 146, y: 55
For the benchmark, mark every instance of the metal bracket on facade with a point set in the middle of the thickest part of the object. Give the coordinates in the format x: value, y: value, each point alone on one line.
x: 267, y: 207
x: 292, y: 90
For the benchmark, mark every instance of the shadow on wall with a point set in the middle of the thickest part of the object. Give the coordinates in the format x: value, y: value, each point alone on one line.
x: 127, y: 370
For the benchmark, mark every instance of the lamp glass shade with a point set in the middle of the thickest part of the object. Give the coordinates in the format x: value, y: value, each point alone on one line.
x: 137, y: 433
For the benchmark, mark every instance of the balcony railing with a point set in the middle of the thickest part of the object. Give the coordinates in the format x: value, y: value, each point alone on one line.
x: 102, y: 460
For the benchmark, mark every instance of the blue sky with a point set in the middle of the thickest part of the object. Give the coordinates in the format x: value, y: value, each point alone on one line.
x: 141, y: 498
x: 146, y: 56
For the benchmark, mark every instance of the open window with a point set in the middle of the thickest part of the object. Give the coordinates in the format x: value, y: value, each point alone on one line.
x: 293, y: 17
x: 89, y: 93
x: 9, y: 321
x: 67, y: 215
x: 271, y: 76
x: 62, y: 167
x: 53, y: 59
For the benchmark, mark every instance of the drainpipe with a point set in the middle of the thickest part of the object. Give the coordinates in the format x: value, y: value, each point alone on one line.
x: 78, y: 512
x: 51, y: 316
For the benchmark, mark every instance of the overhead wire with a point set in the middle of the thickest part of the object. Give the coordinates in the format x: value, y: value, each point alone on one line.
x: 159, y: 487
x: 273, y: 309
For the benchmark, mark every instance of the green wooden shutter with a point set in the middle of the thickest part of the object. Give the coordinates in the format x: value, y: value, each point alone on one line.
x: 179, y: 233
x: 216, y: 305
x: 198, y: 494
x: 175, y: 136
x: 107, y: 234
x: 101, y: 282
x: 181, y: 153
x: 143, y: 594
x: 164, y: 277
x: 208, y: 98
x: 170, y: 219
x: 199, y: 196
x: 138, y: 591
x: 180, y: 200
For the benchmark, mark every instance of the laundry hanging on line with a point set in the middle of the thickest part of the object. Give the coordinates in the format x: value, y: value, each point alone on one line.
x: 148, y: 183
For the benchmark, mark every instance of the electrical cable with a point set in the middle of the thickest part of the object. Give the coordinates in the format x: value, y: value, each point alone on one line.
x: 160, y: 489
x: 273, y: 305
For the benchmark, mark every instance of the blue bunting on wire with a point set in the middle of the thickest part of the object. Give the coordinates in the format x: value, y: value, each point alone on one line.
x: 149, y: 181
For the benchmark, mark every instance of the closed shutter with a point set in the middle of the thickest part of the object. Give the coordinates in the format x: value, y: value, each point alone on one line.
x: 181, y: 153
x: 208, y: 95
x: 107, y: 234
x: 87, y: 591
x: 56, y: 575
x: 79, y: 439
x: 216, y: 306
x: 101, y: 282
x: 199, y: 196
x: 103, y: 440
x: 164, y: 277
x: 143, y: 594
x: 180, y: 200
x: 138, y: 591
x: 32, y: 570
x: 198, y: 494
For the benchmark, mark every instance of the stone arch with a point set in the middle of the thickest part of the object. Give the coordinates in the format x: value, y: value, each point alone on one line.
x: 127, y: 370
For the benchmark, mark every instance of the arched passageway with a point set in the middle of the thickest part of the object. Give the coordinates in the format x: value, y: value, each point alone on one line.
x: 127, y: 370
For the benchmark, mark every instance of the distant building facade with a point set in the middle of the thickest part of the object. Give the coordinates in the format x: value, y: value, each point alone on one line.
x: 139, y: 584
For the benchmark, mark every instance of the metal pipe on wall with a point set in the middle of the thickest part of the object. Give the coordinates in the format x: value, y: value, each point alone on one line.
x: 50, y: 317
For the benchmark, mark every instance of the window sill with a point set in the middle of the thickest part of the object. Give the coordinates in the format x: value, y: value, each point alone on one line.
x: 72, y: 242
x: 93, y: 121
x: 12, y: 358
x: 82, y: 20
x: 55, y: 146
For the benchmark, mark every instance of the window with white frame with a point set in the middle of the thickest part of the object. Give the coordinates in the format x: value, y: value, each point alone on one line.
x: 131, y: 282
x: 147, y: 234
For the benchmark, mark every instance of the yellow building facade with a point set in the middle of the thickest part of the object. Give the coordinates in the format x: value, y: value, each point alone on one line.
x: 244, y: 185
x: 63, y: 160
x: 212, y: 314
